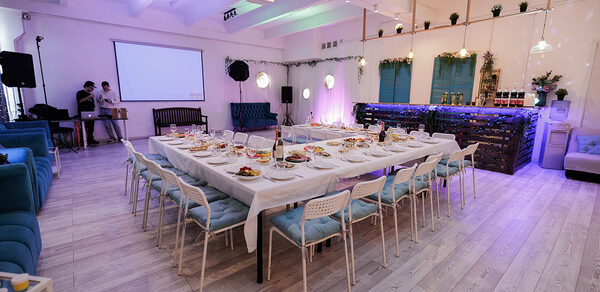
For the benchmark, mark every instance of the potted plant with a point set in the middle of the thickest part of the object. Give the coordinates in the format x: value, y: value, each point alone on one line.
x: 380, y: 33
x: 399, y: 28
x: 496, y: 10
x: 523, y: 6
x: 453, y: 18
x: 427, y: 24
x: 4, y: 159
x: 560, y: 93
x: 543, y: 85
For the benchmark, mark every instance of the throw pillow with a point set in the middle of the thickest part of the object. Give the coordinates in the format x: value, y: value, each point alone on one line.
x: 588, y: 144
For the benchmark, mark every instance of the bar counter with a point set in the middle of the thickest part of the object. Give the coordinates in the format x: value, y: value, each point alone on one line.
x: 505, y: 135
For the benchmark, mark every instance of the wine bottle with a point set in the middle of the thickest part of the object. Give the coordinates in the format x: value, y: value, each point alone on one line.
x: 275, y: 144
x: 279, y: 148
x: 498, y: 99
x: 513, y: 98
x: 521, y: 97
x: 382, y: 133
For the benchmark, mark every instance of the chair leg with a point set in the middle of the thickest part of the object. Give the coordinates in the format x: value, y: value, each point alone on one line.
x: 270, y: 252
x: 226, y: 239
x: 347, y: 266
x: 396, y: 230
x: 206, y: 236
x: 431, y: 203
x: 414, y: 203
x: 181, y: 247
x: 474, y: 195
x: 126, y: 175
x: 423, y: 207
x: 304, y: 269
x: 146, y: 207
x: 448, y: 190
x: 460, y: 191
x: 437, y: 193
x: 231, y: 238
x: 352, y: 253
x: 161, y: 219
x: 382, y: 239
x: 177, y: 238
x: 412, y: 229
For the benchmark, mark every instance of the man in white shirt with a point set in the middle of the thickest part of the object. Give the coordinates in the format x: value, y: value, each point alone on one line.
x: 108, y: 100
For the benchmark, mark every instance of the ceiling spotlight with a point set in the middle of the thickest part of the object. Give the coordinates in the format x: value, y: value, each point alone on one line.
x: 396, y: 16
x: 347, y: 1
x: 375, y: 8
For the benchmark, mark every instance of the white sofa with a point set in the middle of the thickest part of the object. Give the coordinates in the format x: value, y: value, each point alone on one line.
x: 576, y: 162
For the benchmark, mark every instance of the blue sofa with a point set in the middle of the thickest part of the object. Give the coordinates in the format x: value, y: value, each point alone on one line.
x: 37, y: 159
x: 28, y: 127
x: 254, y: 115
x: 20, y: 239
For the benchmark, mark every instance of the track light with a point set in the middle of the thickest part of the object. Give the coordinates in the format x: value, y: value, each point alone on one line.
x: 396, y: 16
x: 375, y: 8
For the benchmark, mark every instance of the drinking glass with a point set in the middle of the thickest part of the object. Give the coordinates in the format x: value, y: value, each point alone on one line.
x: 251, y: 153
x: 173, y: 129
x: 212, y: 134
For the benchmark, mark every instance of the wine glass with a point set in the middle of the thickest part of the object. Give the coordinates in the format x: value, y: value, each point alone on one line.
x: 212, y: 134
x: 311, y: 149
x: 251, y: 151
x: 173, y: 129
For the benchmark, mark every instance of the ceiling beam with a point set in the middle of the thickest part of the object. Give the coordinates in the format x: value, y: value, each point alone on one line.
x: 137, y: 6
x: 328, y: 17
x: 266, y: 14
x: 205, y: 8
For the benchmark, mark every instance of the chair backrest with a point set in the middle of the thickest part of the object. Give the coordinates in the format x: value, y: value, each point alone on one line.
x: 228, y: 135
x: 318, y: 134
x: 358, y: 126
x: 256, y: 141
x: 470, y: 150
x: 197, y: 196
x: 138, y: 160
x: 300, y: 131
x: 456, y: 156
x: 168, y: 177
x: 268, y: 143
x: 434, y: 157
x: 323, y: 207
x: 366, y: 188
x: 240, y: 138
x: 424, y: 168
x: 404, y: 175
x: 416, y: 133
x: 443, y: 136
x: 375, y: 128
x: 331, y: 136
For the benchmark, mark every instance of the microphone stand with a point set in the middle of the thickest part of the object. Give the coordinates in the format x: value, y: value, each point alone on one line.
x: 38, y: 39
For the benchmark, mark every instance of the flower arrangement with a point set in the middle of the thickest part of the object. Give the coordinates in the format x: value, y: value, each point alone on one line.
x: 523, y: 6
x: 496, y: 10
x: 399, y: 27
x: 427, y: 23
x: 545, y: 83
x: 453, y: 18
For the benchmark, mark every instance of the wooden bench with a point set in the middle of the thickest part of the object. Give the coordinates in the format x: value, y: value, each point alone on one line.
x: 180, y: 116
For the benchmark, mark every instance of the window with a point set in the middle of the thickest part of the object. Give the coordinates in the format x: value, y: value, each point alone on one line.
x: 454, y: 76
x: 394, y: 82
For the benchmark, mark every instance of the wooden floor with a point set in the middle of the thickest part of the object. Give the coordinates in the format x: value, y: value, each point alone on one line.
x: 534, y: 230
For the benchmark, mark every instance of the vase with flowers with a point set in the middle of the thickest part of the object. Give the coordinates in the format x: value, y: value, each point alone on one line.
x: 544, y: 84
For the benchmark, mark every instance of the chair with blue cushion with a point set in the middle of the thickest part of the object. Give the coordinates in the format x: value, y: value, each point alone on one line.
x: 317, y: 135
x: 466, y: 162
x: 214, y: 217
x: 397, y: 187
x: 445, y: 171
x: 287, y: 134
x: 256, y: 141
x: 433, y: 178
x: 33, y: 127
x: 309, y: 225
x: 240, y: 138
x: 169, y: 189
x: 358, y: 210
x: 301, y: 135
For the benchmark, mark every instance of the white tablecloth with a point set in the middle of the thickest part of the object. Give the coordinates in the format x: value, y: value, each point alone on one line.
x: 343, y: 132
x: 262, y: 194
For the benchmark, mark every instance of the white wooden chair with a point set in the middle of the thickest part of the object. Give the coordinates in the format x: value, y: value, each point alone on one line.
x: 416, y: 133
x: 364, y: 210
x: 317, y: 135
x: 302, y: 135
x: 332, y: 136
x: 256, y: 141
x: 240, y: 138
x: 421, y: 186
x: 375, y: 128
x: 305, y: 227
x: 443, y: 136
x: 434, y: 178
x: 287, y: 134
x: 268, y: 143
x: 211, y: 218
x: 228, y: 135
x: 445, y: 171
x: 469, y: 161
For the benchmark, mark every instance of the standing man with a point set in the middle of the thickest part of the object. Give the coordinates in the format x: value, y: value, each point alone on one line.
x: 85, y: 103
x: 108, y: 100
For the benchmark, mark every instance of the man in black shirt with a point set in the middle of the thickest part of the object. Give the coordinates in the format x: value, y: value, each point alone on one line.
x: 85, y: 103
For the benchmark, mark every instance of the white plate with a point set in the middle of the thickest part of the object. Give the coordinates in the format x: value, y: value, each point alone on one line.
x: 323, y: 165
x: 176, y: 143
x: 217, y: 160
x: 413, y: 145
x: 354, y: 158
x: 248, y: 177
x: 281, y: 175
x: 397, y: 149
x: 377, y: 153
x: 431, y: 141
x: 183, y: 146
x: 233, y: 168
x: 166, y: 139
x: 202, y: 154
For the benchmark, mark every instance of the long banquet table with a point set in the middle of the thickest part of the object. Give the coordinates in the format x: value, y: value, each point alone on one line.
x: 263, y: 194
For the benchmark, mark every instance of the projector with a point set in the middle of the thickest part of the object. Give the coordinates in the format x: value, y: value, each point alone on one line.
x: 262, y: 2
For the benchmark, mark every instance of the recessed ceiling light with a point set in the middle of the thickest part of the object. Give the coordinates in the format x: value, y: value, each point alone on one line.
x: 306, y: 93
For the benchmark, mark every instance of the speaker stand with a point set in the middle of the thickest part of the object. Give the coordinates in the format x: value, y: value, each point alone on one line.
x: 22, y: 116
x: 288, y: 120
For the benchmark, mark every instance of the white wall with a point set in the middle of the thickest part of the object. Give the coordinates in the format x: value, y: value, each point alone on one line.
x: 571, y: 28
x: 76, y: 50
x: 11, y: 28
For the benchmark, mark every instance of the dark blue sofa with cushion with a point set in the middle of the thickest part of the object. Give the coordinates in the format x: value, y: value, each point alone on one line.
x: 28, y: 127
x: 38, y: 161
x: 20, y: 239
x: 253, y: 115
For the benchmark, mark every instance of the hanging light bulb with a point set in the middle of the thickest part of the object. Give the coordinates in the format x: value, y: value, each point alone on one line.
x: 463, y: 53
x: 411, y: 54
x: 362, y: 62
x: 542, y: 46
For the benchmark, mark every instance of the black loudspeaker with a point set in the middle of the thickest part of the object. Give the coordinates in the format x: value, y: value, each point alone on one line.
x: 238, y: 70
x: 17, y: 69
x: 286, y: 94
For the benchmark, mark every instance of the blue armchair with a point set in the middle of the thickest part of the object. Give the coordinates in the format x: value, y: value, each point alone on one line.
x: 253, y: 115
x: 38, y: 161
x: 28, y: 127
x: 20, y: 239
